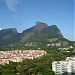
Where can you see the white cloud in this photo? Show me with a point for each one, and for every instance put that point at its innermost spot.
(11, 4)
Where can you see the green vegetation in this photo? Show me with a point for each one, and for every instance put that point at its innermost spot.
(40, 66)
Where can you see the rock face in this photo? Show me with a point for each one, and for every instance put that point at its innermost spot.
(7, 33)
(39, 26)
(8, 36)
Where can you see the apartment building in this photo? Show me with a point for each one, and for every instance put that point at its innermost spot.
(67, 66)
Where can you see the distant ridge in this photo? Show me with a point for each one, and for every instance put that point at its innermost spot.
(39, 35)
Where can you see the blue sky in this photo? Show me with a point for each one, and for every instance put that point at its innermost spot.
(23, 14)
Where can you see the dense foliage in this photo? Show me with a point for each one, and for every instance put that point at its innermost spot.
(40, 66)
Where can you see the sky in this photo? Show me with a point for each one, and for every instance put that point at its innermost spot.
(23, 14)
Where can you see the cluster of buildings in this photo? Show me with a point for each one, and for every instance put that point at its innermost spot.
(54, 44)
(19, 55)
(67, 49)
(66, 67)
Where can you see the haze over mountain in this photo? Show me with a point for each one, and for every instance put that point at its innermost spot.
(40, 33)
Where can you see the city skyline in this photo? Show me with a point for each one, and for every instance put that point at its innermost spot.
(23, 14)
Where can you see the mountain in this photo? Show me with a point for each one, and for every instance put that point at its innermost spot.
(41, 32)
(8, 36)
(43, 29)
(39, 35)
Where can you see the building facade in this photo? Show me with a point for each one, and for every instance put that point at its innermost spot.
(62, 67)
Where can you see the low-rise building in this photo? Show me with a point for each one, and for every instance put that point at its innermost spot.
(19, 55)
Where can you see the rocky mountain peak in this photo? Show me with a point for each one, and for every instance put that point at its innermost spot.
(53, 26)
(39, 26)
(14, 30)
(8, 33)
(9, 30)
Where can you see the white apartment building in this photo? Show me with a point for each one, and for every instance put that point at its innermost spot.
(67, 66)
